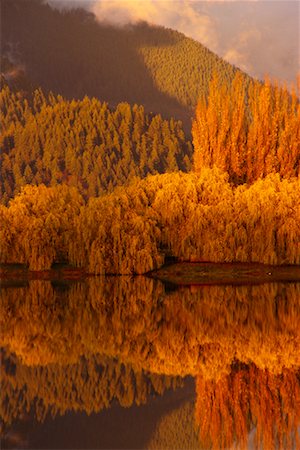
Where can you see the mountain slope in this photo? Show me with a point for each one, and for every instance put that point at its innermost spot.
(70, 53)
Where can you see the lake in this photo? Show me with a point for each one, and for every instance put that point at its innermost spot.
(121, 362)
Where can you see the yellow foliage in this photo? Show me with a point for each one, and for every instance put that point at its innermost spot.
(39, 224)
(191, 216)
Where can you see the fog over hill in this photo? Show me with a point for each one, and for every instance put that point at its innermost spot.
(69, 52)
(260, 36)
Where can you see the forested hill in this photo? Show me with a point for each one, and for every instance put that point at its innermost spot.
(70, 53)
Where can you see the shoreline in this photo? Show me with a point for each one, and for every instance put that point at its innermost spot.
(197, 273)
(177, 273)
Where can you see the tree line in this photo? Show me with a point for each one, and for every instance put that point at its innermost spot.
(240, 203)
(194, 217)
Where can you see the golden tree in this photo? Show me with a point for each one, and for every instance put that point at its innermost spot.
(249, 129)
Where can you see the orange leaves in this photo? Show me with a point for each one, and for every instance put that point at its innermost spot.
(218, 129)
(193, 216)
(118, 234)
(249, 130)
(249, 399)
(204, 218)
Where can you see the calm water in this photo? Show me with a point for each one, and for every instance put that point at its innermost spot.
(126, 363)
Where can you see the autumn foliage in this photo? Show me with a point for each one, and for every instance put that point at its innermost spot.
(81, 150)
(83, 143)
(38, 226)
(195, 216)
(109, 190)
(248, 129)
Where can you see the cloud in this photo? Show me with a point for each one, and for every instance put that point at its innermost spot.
(180, 15)
(262, 38)
(259, 36)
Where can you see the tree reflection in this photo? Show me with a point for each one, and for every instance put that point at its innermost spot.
(184, 332)
(82, 345)
(89, 385)
(249, 398)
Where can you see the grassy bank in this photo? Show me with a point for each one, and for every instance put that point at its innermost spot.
(181, 273)
(186, 273)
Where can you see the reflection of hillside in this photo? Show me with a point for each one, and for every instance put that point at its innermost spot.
(176, 431)
(177, 333)
(89, 385)
(248, 398)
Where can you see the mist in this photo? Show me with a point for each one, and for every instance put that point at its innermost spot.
(260, 37)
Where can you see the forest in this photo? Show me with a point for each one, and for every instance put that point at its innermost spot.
(83, 143)
(122, 148)
(115, 189)
(196, 217)
(97, 149)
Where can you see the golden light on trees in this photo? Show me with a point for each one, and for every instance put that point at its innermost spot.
(198, 217)
(250, 129)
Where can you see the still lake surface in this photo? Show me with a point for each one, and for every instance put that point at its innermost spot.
(120, 362)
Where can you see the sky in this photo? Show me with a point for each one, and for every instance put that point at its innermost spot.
(259, 36)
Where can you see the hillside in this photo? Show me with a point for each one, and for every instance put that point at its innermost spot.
(71, 54)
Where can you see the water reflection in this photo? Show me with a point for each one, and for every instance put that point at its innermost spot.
(246, 399)
(176, 430)
(183, 332)
(89, 385)
(83, 345)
